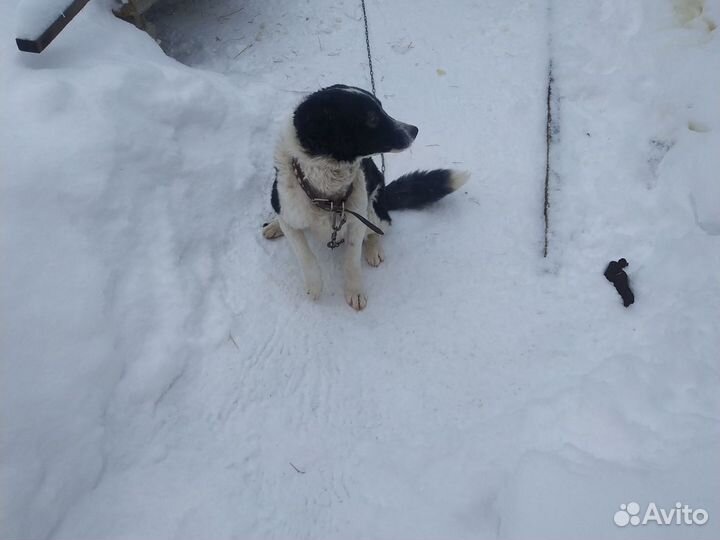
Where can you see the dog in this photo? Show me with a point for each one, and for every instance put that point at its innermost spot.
(327, 183)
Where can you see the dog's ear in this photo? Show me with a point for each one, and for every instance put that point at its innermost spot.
(312, 127)
(372, 119)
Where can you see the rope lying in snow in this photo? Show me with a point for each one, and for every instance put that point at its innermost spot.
(372, 72)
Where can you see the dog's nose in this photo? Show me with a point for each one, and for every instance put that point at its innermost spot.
(413, 130)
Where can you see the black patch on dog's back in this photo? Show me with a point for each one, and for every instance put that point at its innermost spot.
(374, 180)
(373, 176)
(274, 198)
(380, 209)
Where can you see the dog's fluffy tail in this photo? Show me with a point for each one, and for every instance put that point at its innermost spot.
(420, 188)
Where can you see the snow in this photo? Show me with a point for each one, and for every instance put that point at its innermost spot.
(32, 17)
(162, 374)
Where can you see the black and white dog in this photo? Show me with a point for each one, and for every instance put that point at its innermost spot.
(326, 182)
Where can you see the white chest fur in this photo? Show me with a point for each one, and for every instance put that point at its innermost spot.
(325, 176)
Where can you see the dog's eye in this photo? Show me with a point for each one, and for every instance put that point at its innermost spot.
(373, 119)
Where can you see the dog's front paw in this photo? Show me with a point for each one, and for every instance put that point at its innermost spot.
(313, 288)
(272, 230)
(373, 252)
(356, 299)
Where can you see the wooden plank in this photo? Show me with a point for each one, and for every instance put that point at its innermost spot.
(52, 31)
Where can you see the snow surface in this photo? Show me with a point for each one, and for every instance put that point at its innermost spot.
(162, 374)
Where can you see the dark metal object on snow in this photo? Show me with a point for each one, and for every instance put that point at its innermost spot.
(617, 276)
(131, 10)
(38, 44)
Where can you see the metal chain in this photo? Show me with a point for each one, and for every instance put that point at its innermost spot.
(370, 63)
(337, 224)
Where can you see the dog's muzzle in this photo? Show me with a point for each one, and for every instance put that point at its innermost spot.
(408, 133)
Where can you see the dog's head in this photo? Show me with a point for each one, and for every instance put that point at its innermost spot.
(345, 123)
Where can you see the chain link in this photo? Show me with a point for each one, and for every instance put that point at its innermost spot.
(338, 220)
(370, 63)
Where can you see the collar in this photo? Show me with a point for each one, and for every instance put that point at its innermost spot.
(334, 205)
(313, 194)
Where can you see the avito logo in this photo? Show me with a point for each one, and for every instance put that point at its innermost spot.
(680, 514)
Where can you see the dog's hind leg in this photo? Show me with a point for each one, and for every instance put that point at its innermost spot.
(306, 258)
(372, 247)
(272, 230)
(372, 250)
